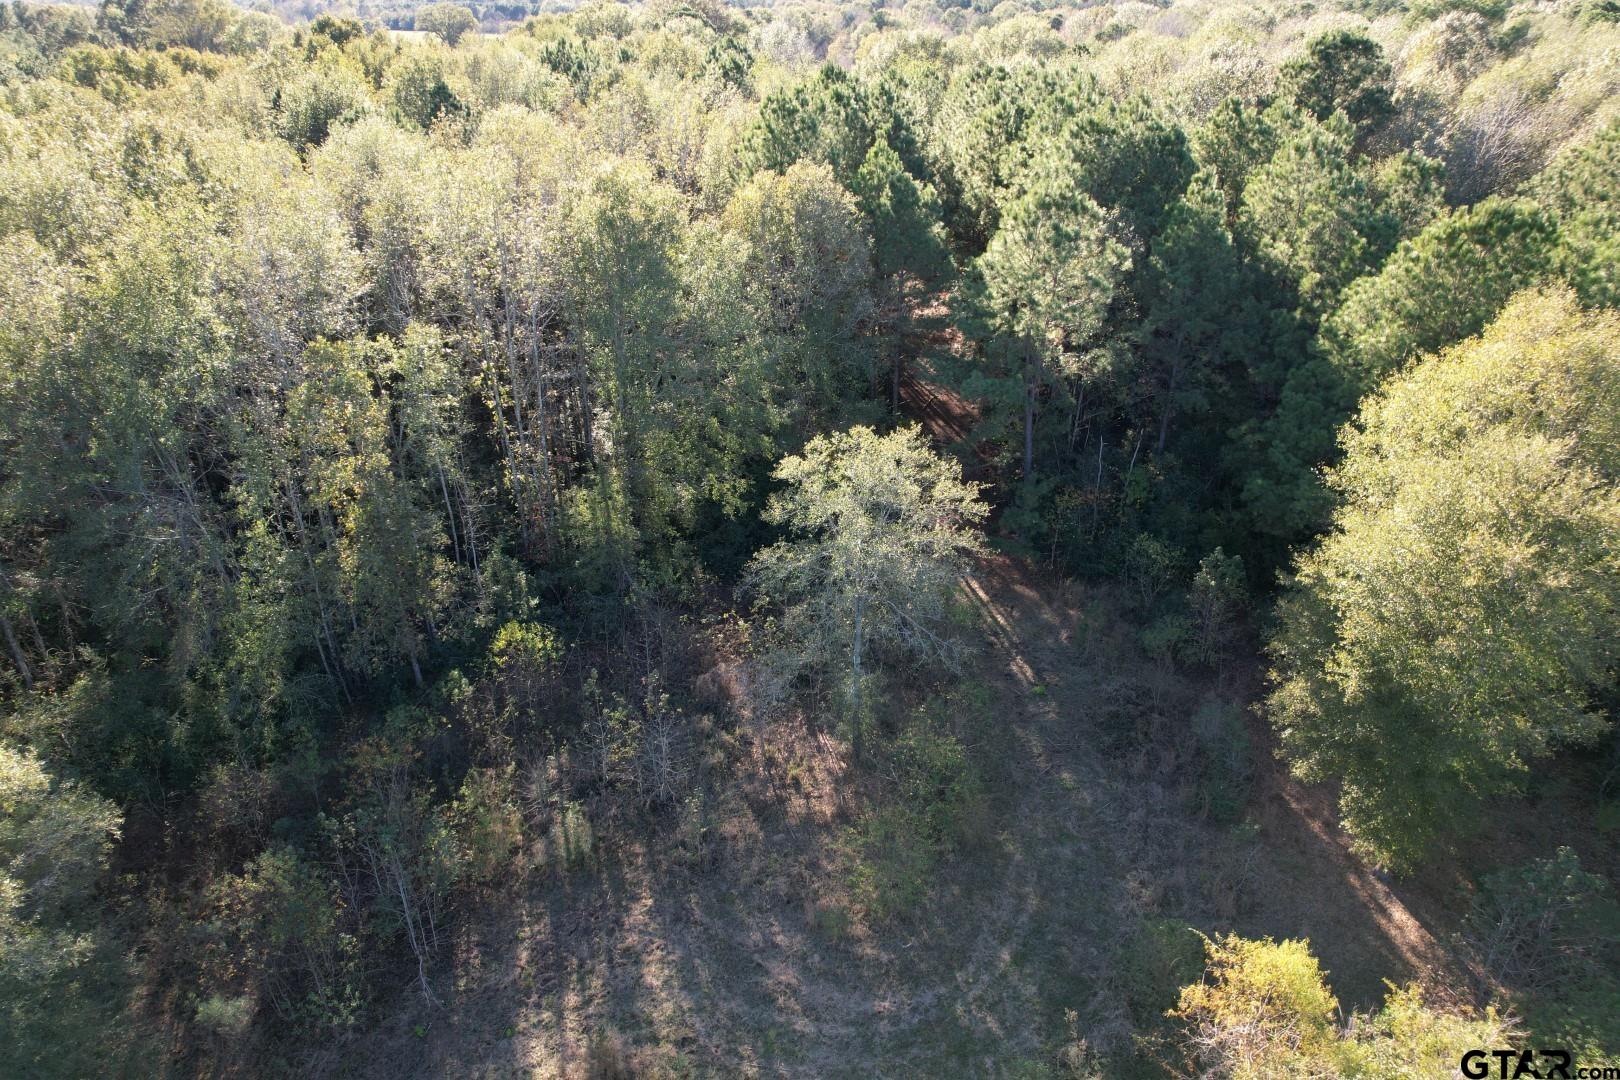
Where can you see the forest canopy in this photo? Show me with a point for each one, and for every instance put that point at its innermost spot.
(459, 460)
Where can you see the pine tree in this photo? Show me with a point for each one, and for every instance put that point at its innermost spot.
(1050, 274)
(909, 256)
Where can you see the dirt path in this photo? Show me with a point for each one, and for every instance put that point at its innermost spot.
(746, 960)
(737, 964)
(1307, 882)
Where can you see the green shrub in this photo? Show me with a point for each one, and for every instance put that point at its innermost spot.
(894, 860)
(487, 825)
(1217, 596)
(62, 978)
(1263, 1009)
(937, 805)
(571, 840)
(1550, 932)
(830, 921)
(228, 1017)
(1225, 774)
(317, 100)
(938, 784)
(1151, 568)
(1154, 964)
(281, 923)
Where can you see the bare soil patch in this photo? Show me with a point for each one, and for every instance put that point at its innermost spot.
(752, 960)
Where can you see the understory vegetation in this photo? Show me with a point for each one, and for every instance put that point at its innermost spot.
(684, 539)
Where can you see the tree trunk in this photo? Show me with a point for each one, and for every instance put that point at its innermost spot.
(858, 720)
(1169, 403)
(1029, 414)
(17, 653)
(449, 514)
(895, 370)
(1096, 499)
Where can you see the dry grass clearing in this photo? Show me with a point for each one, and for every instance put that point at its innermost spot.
(748, 953)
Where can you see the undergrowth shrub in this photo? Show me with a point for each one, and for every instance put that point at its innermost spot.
(570, 841)
(1225, 774)
(1549, 932)
(893, 861)
(487, 825)
(280, 934)
(1154, 964)
(934, 779)
(936, 804)
(1263, 1009)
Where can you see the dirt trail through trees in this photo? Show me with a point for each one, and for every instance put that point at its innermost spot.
(1307, 881)
(746, 957)
(742, 959)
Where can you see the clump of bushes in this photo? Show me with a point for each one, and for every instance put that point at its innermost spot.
(1549, 933)
(936, 804)
(1224, 773)
(1264, 1009)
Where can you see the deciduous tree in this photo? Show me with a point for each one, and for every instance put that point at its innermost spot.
(881, 527)
(1447, 632)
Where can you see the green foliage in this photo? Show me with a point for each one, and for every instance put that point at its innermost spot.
(487, 827)
(360, 390)
(1429, 10)
(1547, 932)
(933, 806)
(904, 218)
(226, 1017)
(893, 862)
(1150, 568)
(1234, 141)
(909, 254)
(1308, 214)
(805, 275)
(281, 919)
(1194, 282)
(1342, 72)
(451, 22)
(59, 981)
(826, 119)
(1126, 155)
(1583, 189)
(729, 61)
(1161, 958)
(196, 24)
(987, 112)
(419, 91)
(1261, 1005)
(119, 73)
(1438, 288)
(933, 777)
(337, 29)
(1408, 189)
(1600, 11)
(1049, 276)
(1051, 267)
(1409, 1038)
(882, 529)
(525, 648)
(1265, 1010)
(1445, 634)
(1218, 595)
(316, 101)
(54, 840)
